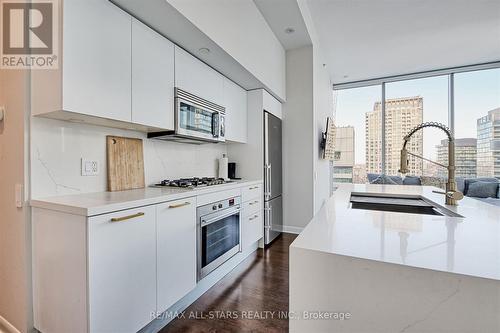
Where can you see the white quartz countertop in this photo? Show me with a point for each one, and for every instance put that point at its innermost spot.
(91, 204)
(468, 245)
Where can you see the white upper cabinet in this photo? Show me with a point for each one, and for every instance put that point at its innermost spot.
(96, 71)
(235, 101)
(176, 251)
(197, 78)
(152, 78)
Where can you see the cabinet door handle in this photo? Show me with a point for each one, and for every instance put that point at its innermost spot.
(179, 205)
(253, 188)
(253, 203)
(124, 218)
(253, 217)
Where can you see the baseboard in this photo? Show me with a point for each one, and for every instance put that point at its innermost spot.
(6, 327)
(292, 230)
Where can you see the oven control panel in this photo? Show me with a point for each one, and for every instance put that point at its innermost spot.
(219, 205)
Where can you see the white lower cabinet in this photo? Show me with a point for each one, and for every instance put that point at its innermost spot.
(114, 272)
(252, 221)
(176, 251)
(252, 229)
(122, 270)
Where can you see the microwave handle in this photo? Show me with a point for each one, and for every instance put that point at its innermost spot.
(215, 124)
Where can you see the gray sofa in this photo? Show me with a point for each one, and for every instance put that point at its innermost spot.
(483, 189)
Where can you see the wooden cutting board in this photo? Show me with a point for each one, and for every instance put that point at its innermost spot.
(125, 163)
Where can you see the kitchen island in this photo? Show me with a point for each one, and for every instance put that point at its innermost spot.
(358, 270)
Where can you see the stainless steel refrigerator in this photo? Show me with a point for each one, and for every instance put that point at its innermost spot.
(273, 202)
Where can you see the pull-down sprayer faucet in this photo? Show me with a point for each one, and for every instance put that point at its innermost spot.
(452, 194)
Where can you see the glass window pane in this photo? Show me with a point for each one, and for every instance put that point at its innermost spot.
(352, 111)
(408, 104)
(477, 123)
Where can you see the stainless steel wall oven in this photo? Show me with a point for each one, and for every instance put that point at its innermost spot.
(219, 234)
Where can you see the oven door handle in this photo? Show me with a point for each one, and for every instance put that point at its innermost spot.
(204, 223)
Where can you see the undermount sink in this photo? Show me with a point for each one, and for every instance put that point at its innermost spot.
(407, 204)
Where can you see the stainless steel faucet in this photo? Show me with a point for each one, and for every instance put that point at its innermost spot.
(452, 195)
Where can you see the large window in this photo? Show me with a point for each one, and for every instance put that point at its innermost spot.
(408, 104)
(474, 117)
(477, 123)
(354, 109)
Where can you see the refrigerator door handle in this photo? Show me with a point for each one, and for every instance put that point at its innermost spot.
(270, 181)
(269, 218)
(267, 180)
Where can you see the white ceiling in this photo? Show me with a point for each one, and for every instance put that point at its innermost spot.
(364, 39)
(283, 14)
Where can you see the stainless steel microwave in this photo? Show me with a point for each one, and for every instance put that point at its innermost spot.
(196, 120)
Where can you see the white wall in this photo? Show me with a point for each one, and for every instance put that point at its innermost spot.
(58, 146)
(239, 28)
(298, 136)
(323, 108)
(14, 225)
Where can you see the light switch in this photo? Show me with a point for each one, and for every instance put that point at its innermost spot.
(90, 167)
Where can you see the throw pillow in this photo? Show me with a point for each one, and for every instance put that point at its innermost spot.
(481, 189)
(383, 179)
(412, 180)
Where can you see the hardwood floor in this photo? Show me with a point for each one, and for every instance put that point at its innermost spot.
(251, 298)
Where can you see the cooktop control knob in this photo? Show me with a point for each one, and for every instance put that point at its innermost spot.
(220, 205)
(214, 207)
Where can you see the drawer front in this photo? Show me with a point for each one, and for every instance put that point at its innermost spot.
(251, 207)
(252, 229)
(251, 192)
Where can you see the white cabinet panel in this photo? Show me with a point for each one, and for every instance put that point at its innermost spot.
(251, 192)
(197, 78)
(122, 270)
(152, 78)
(96, 59)
(251, 228)
(176, 254)
(251, 206)
(235, 101)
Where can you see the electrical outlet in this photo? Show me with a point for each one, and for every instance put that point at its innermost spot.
(89, 167)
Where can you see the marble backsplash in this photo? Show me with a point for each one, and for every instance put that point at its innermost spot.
(58, 146)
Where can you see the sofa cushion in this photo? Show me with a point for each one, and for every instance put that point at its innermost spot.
(372, 176)
(383, 179)
(397, 179)
(469, 181)
(480, 189)
(412, 180)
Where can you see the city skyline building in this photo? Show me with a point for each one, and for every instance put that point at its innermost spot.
(465, 157)
(488, 144)
(401, 115)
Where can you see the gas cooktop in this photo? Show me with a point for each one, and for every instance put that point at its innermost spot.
(192, 182)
